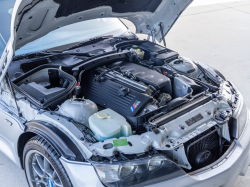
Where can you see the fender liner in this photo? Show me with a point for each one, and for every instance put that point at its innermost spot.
(59, 140)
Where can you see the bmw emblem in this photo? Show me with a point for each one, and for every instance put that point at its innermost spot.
(50, 183)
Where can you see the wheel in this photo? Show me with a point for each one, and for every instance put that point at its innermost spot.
(42, 165)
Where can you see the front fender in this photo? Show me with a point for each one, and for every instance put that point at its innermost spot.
(59, 140)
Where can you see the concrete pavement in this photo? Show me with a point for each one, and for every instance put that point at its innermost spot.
(217, 34)
(213, 31)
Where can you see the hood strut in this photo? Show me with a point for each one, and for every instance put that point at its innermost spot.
(13, 94)
(162, 33)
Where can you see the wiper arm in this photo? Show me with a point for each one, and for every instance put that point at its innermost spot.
(66, 53)
(48, 53)
(28, 55)
(90, 41)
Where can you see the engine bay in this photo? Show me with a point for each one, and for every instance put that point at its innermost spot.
(132, 99)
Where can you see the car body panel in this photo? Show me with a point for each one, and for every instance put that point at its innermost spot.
(223, 174)
(11, 129)
(81, 174)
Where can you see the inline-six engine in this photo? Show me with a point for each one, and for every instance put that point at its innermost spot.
(137, 101)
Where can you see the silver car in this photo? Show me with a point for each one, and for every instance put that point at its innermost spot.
(84, 102)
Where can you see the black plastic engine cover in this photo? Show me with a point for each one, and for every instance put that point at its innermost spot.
(146, 75)
(110, 94)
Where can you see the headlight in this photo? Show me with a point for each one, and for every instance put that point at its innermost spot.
(127, 170)
(155, 163)
(240, 116)
(139, 172)
(242, 119)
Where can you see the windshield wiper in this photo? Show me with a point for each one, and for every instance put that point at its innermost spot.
(67, 53)
(48, 53)
(90, 41)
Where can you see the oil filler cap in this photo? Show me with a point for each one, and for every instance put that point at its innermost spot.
(123, 91)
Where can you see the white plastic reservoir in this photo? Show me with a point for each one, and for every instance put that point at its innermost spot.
(108, 124)
(78, 109)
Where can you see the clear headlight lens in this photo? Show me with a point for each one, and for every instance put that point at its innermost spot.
(240, 116)
(155, 163)
(139, 172)
(127, 170)
(108, 174)
(242, 119)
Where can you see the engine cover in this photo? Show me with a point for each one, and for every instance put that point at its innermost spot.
(146, 75)
(113, 95)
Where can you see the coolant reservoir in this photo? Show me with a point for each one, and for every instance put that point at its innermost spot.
(108, 124)
(78, 109)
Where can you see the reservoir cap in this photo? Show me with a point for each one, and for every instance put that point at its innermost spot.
(102, 115)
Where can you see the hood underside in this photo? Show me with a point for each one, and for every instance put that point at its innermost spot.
(34, 19)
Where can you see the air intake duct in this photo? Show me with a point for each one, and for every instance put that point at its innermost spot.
(203, 149)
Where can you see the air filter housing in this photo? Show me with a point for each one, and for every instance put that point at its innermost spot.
(203, 149)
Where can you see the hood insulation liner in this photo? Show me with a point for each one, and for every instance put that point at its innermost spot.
(68, 7)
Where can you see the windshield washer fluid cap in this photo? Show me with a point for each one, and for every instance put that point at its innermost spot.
(113, 126)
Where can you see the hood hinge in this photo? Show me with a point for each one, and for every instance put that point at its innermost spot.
(152, 32)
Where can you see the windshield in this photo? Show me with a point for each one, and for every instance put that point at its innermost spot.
(76, 32)
(6, 7)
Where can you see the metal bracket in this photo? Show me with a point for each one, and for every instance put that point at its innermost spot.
(162, 33)
(41, 111)
(151, 33)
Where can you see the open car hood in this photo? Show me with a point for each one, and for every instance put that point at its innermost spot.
(36, 18)
(32, 19)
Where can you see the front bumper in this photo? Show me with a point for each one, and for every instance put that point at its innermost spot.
(222, 174)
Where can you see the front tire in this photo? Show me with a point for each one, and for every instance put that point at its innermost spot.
(42, 165)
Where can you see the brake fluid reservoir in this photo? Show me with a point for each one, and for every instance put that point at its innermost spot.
(108, 124)
(137, 51)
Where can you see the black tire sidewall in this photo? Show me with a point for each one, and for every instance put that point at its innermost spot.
(49, 152)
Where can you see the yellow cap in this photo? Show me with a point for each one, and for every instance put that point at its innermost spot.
(102, 115)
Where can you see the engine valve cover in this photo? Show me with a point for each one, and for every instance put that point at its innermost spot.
(146, 75)
(114, 95)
